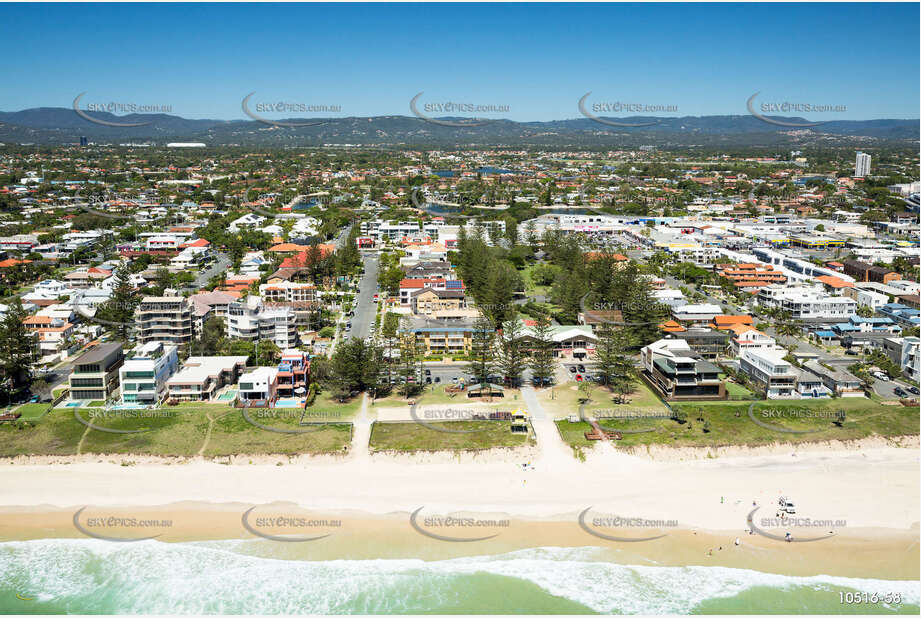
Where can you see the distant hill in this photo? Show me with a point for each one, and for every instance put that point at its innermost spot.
(59, 125)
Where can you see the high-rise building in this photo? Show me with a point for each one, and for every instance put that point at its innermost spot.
(167, 319)
(83, 141)
(862, 168)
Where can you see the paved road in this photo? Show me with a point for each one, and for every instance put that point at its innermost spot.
(365, 307)
(221, 263)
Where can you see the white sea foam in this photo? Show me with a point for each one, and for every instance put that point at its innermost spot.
(216, 577)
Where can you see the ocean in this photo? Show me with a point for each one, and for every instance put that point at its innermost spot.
(81, 576)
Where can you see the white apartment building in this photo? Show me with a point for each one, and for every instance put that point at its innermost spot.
(288, 292)
(143, 377)
(805, 303)
(768, 368)
(866, 298)
(250, 319)
(862, 166)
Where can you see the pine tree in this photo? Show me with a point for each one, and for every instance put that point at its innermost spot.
(512, 354)
(17, 350)
(482, 354)
(541, 363)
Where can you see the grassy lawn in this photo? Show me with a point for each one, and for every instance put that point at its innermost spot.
(32, 411)
(57, 433)
(731, 425)
(233, 435)
(176, 431)
(565, 400)
(324, 407)
(737, 392)
(407, 437)
(531, 288)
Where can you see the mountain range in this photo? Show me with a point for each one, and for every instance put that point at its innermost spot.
(60, 125)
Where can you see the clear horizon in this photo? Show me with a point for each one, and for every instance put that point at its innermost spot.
(534, 61)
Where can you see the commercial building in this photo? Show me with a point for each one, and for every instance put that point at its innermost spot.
(143, 377)
(95, 372)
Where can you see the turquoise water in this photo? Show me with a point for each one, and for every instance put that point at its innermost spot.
(233, 577)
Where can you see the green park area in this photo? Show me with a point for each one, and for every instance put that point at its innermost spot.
(184, 430)
(729, 423)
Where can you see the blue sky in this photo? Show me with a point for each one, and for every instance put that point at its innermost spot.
(538, 59)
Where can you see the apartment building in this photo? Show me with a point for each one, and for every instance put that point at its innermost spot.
(250, 319)
(443, 336)
(143, 377)
(807, 303)
(202, 376)
(288, 292)
(164, 318)
(750, 275)
(679, 373)
(410, 286)
(903, 351)
(95, 373)
(861, 271)
(770, 371)
(427, 301)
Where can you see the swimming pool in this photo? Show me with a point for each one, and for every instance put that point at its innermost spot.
(73, 404)
(289, 402)
(228, 396)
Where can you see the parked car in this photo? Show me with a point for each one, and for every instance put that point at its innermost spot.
(582, 368)
(881, 376)
(900, 392)
(572, 370)
(578, 377)
(913, 390)
(437, 379)
(34, 399)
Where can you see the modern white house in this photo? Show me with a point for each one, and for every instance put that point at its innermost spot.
(144, 375)
(769, 369)
(260, 384)
(202, 376)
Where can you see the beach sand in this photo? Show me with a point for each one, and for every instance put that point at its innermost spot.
(871, 495)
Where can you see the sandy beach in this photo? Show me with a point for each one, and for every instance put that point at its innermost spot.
(870, 493)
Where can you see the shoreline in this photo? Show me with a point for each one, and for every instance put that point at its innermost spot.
(870, 553)
(869, 492)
